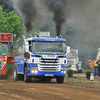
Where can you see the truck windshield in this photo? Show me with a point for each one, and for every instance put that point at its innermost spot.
(48, 48)
(71, 55)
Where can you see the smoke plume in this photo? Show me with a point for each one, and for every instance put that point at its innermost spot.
(85, 20)
(58, 9)
(27, 10)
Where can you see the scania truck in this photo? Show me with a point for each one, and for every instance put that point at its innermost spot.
(43, 58)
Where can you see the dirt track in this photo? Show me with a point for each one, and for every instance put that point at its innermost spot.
(39, 90)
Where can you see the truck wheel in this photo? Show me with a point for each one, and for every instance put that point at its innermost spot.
(81, 71)
(15, 75)
(26, 77)
(60, 79)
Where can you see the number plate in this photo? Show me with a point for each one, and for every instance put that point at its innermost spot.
(50, 55)
(48, 74)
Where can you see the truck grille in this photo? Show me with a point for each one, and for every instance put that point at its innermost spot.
(70, 62)
(69, 66)
(49, 65)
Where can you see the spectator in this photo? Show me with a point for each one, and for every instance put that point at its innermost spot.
(91, 64)
(96, 72)
(98, 62)
(3, 50)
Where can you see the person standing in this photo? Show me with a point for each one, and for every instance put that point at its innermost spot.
(3, 50)
(91, 64)
(98, 62)
(96, 71)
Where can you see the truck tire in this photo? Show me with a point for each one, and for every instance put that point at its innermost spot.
(81, 71)
(60, 79)
(26, 77)
(15, 75)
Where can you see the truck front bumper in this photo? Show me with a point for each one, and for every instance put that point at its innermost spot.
(53, 74)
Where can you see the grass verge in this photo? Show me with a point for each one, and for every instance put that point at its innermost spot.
(84, 80)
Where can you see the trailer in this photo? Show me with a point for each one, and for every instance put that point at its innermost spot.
(43, 58)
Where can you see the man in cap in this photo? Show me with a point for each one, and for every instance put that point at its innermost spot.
(3, 50)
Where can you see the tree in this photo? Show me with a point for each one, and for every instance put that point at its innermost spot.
(11, 23)
(35, 32)
(6, 5)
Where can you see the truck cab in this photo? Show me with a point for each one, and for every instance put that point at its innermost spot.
(43, 58)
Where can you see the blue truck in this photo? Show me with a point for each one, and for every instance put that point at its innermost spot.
(43, 58)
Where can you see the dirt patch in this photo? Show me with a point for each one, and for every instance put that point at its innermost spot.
(3, 77)
(36, 90)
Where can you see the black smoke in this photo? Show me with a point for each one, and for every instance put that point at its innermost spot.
(27, 10)
(58, 9)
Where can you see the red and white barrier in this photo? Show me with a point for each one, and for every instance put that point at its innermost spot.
(3, 68)
(3, 61)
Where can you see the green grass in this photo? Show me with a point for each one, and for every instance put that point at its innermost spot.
(72, 79)
(83, 80)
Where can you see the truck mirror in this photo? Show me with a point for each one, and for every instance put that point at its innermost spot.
(68, 49)
(26, 48)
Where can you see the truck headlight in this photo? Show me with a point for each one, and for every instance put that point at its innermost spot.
(34, 70)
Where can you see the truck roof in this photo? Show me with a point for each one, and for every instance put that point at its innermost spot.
(98, 49)
(45, 39)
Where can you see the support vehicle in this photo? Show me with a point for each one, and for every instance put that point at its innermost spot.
(98, 53)
(44, 58)
(73, 61)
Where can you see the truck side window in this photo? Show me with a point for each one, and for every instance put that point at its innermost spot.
(30, 48)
